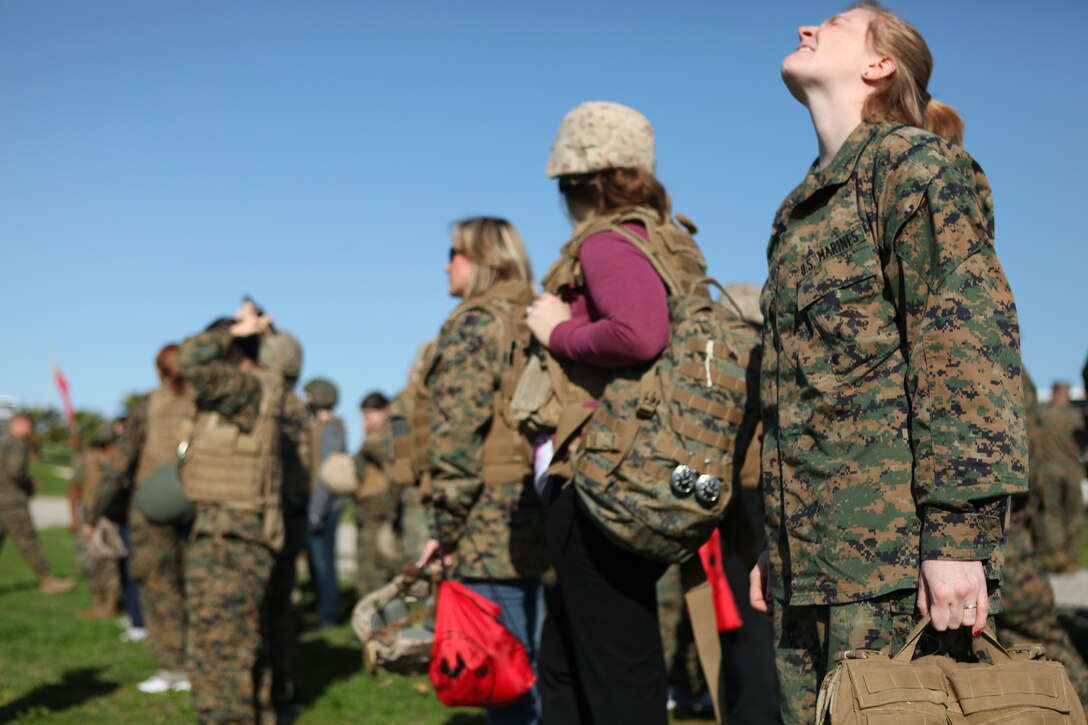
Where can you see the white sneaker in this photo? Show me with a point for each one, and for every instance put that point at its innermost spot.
(157, 683)
(134, 634)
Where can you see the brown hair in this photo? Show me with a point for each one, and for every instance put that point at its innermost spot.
(614, 190)
(903, 98)
(496, 251)
(374, 401)
(166, 363)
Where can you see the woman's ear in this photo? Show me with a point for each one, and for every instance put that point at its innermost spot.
(880, 69)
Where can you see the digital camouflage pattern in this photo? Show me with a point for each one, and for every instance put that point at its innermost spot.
(660, 454)
(808, 639)
(157, 564)
(276, 685)
(1060, 532)
(892, 404)
(685, 674)
(15, 488)
(377, 560)
(1028, 614)
(15, 483)
(228, 563)
(497, 528)
(112, 498)
(600, 135)
(103, 576)
(225, 615)
(157, 558)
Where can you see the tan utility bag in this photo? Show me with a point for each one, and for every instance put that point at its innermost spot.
(1017, 685)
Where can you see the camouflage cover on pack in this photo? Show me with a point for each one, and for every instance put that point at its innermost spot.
(395, 624)
(657, 463)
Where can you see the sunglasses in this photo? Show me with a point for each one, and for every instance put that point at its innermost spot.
(454, 252)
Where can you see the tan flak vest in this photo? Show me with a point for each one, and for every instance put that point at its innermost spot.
(575, 384)
(169, 422)
(236, 469)
(403, 471)
(92, 478)
(377, 451)
(507, 453)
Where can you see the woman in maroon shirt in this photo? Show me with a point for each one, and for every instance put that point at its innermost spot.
(604, 309)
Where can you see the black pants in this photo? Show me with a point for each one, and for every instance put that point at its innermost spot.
(749, 678)
(601, 659)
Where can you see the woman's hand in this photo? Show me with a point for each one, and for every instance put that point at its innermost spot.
(430, 550)
(544, 315)
(954, 594)
(759, 594)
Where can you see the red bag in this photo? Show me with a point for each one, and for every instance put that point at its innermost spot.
(475, 660)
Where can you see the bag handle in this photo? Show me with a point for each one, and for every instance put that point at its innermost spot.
(986, 643)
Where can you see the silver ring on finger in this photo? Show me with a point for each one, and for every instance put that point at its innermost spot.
(970, 606)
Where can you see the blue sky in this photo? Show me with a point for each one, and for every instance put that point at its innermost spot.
(159, 160)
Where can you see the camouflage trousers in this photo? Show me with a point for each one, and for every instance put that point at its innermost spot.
(15, 522)
(1027, 601)
(225, 582)
(415, 528)
(376, 554)
(1060, 526)
(275, 672)
(103, 576)
(681, 658)
(809, 638)
(157, 564)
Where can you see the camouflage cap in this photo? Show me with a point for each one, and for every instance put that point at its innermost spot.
(281, 351)
(600, 135)
(321, 393)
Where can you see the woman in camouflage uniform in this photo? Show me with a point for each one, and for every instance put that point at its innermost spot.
(486, 511)
(156, 425)
(891, 393)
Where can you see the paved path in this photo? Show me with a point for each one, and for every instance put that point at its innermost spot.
(1070, 590)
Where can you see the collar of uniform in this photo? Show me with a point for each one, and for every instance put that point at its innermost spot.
(842, 166)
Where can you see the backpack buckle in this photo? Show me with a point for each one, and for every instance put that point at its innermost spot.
(648, 404)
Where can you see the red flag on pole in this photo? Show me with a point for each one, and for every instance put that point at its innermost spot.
(62, 386)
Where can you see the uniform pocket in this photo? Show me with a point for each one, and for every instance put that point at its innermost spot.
(844, 323)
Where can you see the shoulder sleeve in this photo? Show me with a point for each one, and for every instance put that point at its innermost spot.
(962, 341)
(219, 385)
(461, 384)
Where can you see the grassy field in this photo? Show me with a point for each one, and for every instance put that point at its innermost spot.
(57, 669)
(52, 478)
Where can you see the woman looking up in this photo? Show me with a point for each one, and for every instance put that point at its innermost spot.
(891, 394)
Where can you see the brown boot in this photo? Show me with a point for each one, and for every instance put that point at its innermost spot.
(50, 584)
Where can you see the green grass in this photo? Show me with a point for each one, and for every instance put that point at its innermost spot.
(53, 479)
(58, 669)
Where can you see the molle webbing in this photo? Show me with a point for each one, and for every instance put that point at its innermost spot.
(237, 469)
(92, 478)
(169, 421)
(507, 453)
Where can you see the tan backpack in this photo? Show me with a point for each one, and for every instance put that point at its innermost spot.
(655, 463)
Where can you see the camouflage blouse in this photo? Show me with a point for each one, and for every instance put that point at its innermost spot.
(891, 381)
(498, 529)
